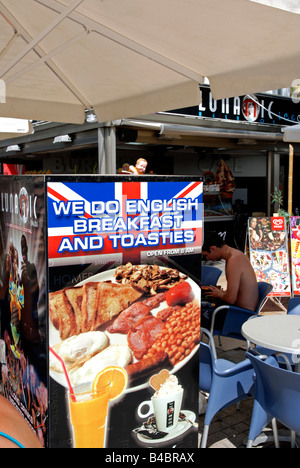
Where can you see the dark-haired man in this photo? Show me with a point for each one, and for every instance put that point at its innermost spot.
(242, 288)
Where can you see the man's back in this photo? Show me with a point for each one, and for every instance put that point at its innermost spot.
(241, 279)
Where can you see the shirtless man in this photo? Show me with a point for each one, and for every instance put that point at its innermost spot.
(242, 289)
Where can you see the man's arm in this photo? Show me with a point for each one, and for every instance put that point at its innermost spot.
(233, 276)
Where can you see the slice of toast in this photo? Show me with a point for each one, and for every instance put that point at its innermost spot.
(61, 314)
(82, 309)
(113, 299)
(75, 297)
(89, 306)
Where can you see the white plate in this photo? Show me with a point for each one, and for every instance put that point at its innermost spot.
(181, 427)
(118, 338)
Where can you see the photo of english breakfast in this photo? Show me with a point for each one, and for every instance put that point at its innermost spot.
(140, 317)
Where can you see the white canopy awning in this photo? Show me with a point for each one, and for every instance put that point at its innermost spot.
(131, 58)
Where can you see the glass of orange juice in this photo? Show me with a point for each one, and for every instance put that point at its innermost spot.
(88, 416)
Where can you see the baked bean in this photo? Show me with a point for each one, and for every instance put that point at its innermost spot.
(172, 353)
(180, 334)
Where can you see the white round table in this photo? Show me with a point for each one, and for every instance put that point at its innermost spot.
(280, 333)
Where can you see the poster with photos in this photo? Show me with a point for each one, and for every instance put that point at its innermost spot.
(295, 254)
(116, 248)
(95, 274)
(268, 248)
(23, 302)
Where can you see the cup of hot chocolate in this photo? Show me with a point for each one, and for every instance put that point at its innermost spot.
(165, 404)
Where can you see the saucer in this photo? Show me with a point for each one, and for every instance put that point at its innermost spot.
(181, 427)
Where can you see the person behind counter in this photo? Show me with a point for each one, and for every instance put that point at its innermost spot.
(242, 288)
(140, 167)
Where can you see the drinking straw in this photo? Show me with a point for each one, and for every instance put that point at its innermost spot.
(65, 372)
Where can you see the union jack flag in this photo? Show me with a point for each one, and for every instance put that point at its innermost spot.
(75, 204)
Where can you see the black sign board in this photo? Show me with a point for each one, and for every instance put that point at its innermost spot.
(256, 108)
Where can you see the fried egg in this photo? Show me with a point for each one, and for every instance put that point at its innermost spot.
(78, 349)
(114, 355)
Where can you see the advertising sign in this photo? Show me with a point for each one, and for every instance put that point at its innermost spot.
(124, 310)
(269, 253)
(295, 254)
(265, 109)
(23, 299)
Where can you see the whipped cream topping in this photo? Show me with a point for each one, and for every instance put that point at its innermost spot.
(169, 387)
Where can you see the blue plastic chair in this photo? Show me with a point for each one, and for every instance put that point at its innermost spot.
(277, 395)
(210, 275)
(227, 383)
(236, 316)
(294, 306)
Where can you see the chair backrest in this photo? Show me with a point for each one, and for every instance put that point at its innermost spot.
(294, 306)
(210, 275)
(205, 367)
(277, 391)
(236, 316)
(207, 357)
(263, 290)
